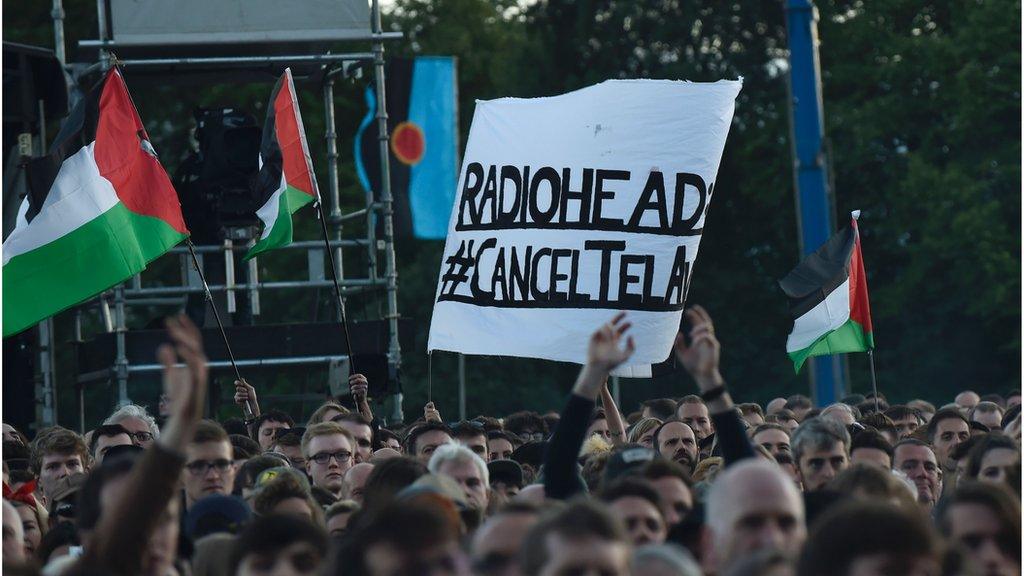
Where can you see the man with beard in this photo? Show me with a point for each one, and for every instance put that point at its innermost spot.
(677, 442)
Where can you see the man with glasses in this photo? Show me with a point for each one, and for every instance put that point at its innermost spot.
(140, 425)
(329, 450)
(209, 463)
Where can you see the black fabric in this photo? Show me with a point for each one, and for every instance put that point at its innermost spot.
(398, 87)
(561, 479)
(268, 180)
(818, 274)
(77, 130)
(732, 437)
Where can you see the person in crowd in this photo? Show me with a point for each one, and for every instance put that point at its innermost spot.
(136, 420)
(287, 495)
(785, 418)
(467, 469)
(599, 427)
(906, 419)
(800, 405)
(506, 480)
(473, 436)
(859, 538)
(495, 546)
(34, 520)
(326, 412)
(209, 464)
(871, 447)
(13, 535)
(883, 424)
(984, 520)
(659, 408)
(664, 559)
(57, 543)
(581, 538)
(105, 437)
(338, 516)
(774, 406)
(841, 413)
(947, 430)
(528, 426)
(917, 460)
(328, 449)
(773, 437)
(751, 506)
(676, 441)
(417, 537)
(423, 439)
(244, 448)
(1012, 399)
(989, 458)
(359, 427)
(821, 450)
(924, 408)
(57, 453)
(674, 488)
(499, 445)
(967, 399)
(694, 414)
(355, 482)
(989, 414)
(642, 432)
(267, 425)
(279, 544)
(636, 503)
(752, 414)
(389, 440)
(288, 442)
(870, 482)
(389, 478)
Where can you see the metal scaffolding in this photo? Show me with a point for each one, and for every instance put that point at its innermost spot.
(377, 208)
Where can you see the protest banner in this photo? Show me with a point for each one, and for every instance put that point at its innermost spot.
(573, 207)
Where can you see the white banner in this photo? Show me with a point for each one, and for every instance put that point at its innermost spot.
(573, 207)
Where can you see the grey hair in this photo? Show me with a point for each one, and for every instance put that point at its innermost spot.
(671, 556)
(457, 453)
(134, 411)
(818, 434)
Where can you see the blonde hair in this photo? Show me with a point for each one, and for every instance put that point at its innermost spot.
(643, 426)
(318, 415)
(324, 429)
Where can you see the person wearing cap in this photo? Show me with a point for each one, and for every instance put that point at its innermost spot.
(216, 514)
(506, 478)
(106, 437)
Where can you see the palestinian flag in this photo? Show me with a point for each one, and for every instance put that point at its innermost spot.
(285, 181)
(100, 207)
(828, 296)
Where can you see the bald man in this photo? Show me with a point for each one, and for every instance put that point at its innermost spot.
(774, 406)
(355, 480)
(967, 399)
(752, 506)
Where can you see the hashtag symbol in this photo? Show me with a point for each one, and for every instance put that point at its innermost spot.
(458, 266)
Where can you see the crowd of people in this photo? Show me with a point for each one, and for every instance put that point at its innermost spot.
(682, 486)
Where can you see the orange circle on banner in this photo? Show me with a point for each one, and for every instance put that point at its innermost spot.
(408, 143)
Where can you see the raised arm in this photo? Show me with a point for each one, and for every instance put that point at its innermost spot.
(124, 530)
(616, 426)
(603, 354)
(700, 358)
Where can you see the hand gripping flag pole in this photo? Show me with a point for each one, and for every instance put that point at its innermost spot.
(209, 298)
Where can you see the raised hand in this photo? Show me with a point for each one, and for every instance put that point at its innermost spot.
(700, 357)
(605, 352)
(185, 388)
(357, 387)
(245, 394)
(431, 414)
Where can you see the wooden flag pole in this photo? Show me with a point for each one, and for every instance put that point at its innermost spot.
(337, 287)
(216, 315)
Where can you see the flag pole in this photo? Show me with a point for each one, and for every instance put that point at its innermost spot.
(874, 383)
(337, 287)
(209, 298)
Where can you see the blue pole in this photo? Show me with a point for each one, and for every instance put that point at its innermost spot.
(810, 167)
